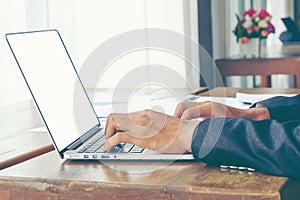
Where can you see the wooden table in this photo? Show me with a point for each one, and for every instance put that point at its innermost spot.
(274, 60)
(48, 176)
(16, 143)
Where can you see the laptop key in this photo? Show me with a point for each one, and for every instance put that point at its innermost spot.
(95, 146)
(100, 150)
(126, 148)
(116, 149)
(137, 149)
(90, 151)
(83, 149)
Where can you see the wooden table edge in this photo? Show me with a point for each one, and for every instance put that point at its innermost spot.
(26, 156)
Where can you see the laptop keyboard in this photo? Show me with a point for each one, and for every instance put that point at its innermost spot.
(95, 143)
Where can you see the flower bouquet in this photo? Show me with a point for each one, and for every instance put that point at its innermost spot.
(253, 25)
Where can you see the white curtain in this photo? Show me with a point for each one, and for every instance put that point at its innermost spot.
(13, 18)
(86, 24)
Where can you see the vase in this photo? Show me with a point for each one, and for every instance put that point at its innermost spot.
(251, 49)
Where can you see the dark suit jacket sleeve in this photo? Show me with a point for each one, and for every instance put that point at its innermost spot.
(283, 109)
(268, 146)
(271, 146)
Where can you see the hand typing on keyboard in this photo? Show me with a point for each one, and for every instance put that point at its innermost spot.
(191, 110)
(151, 130)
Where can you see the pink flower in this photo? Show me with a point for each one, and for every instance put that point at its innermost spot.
(271, 28)
(251, 12)
(263, 14)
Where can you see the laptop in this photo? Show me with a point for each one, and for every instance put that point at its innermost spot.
(51, 77)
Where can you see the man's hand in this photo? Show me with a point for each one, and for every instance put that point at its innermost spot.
(208, 109)
(151, 130)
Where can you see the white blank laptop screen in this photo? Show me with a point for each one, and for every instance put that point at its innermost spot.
(50, 75)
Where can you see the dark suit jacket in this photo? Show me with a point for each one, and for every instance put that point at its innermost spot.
(270, 146)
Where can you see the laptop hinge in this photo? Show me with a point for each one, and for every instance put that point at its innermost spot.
(83, 138)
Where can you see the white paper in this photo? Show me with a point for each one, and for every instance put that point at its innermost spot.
(229, 101)
(254, 98)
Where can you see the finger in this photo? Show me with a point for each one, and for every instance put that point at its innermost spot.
(191, 113)
(181, 107)
(136, 122)
(116, 122)
(178, 110)
(111, 125)
(108, 145)
(202, 110)
(124, 137)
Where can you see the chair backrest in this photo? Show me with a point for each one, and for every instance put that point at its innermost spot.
(261, 66)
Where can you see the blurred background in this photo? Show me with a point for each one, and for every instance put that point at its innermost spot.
(84, 25)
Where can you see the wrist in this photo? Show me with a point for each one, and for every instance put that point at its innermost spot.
(188, 129)
(260, 113)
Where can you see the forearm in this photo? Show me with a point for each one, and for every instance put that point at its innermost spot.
(267, 145)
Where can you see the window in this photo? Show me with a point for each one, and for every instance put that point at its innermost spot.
(84, 25)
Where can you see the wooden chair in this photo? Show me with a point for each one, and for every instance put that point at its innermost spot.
(261, 66)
